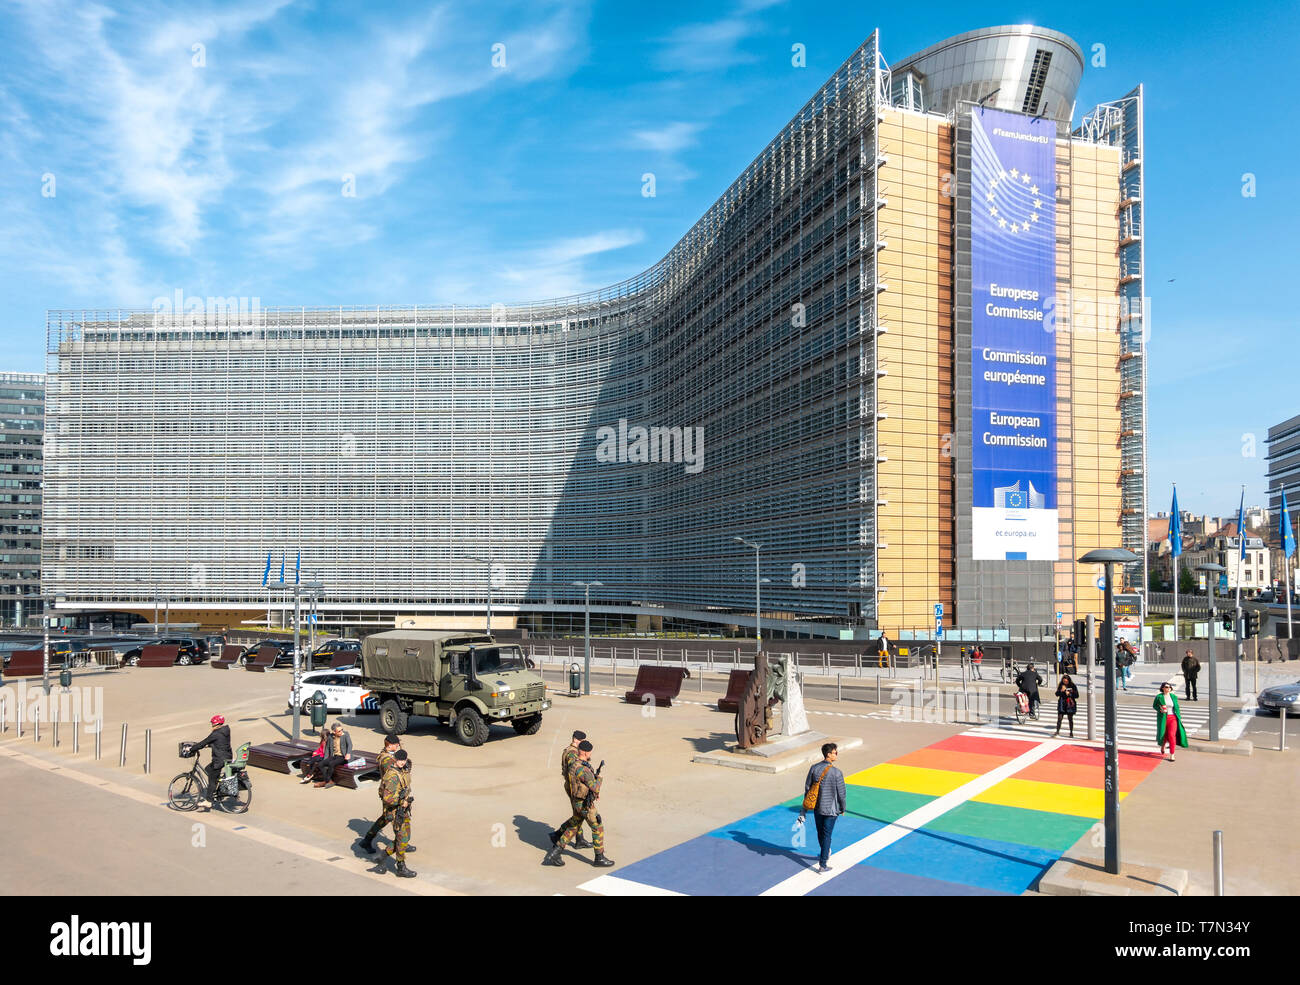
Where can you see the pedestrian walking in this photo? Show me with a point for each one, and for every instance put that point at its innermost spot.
(584, 791)
(882, 648)
(1169, 720)
(1067, 702)
(386, 761)
(1191, 668)
(1125, 657)
(1029, 681)
(976, 659)
(567, 762)
(825, 796)
(395, 791)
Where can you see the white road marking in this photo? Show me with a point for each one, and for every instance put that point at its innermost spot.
(614, 886)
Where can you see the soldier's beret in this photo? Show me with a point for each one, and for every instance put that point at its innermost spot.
(579, 735)
(585, 746)
(400, 755)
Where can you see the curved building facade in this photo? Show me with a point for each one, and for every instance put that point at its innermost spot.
(786, 374)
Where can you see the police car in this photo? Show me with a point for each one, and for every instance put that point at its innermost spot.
(342, 689)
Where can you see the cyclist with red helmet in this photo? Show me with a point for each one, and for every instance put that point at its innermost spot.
(219, 740)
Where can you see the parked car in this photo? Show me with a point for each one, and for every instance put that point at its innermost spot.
(1274, 699)
(188, 650)
(283, 658)
(342, 689)
(332, 648)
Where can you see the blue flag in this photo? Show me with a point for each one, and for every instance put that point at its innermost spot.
(282, 567)
(1241, 527)
(1175, 528)
(297, 569)
(1288, 535)
(267, 573)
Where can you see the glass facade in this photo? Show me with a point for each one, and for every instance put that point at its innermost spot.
(414, 456)
(22, 411)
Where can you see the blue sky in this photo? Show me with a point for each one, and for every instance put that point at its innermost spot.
(479, 183)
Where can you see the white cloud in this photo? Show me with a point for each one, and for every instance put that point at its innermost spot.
(668, 139)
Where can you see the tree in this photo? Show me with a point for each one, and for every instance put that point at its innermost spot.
(1186, 581)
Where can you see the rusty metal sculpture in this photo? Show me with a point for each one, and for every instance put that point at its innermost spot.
(766, 686)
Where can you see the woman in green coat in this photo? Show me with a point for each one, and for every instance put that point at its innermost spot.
(1169, 720)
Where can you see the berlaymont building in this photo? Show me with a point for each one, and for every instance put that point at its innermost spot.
(903, 352)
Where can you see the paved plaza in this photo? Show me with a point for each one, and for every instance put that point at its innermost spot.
(935, 807)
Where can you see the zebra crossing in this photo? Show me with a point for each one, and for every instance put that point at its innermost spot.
(1134, 724)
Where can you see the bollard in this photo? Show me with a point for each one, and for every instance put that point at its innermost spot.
(613, 669)
(54, 723)
(76, 731)
(1218, 863)
(700, 673)
(839, 688)
(148, 745)
(1281, 739)
(36, 723)
(99, 731)
(18, 719)
(877, 687)
(4, 717)
(121, 759)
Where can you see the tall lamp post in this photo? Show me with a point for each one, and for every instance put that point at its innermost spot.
(586, 587)
(758, 606)
(46, 602)
(1212, 572)
(1107, 557)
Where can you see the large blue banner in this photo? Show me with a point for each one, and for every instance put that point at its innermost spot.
(1013, 349)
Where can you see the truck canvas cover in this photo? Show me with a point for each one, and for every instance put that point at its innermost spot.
(410, 655)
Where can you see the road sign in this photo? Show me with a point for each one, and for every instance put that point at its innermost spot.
(1101, 583)
(311, 617)
(938, 620)
(938, 610)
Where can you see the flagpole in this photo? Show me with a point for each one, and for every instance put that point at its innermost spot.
(1287, 538)
(1241, 553)
(1175, 530)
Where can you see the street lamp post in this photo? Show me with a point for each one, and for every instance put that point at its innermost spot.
(488, 563)
(1212, 572)
(586, 587)
(758, 598)
(1108, 556)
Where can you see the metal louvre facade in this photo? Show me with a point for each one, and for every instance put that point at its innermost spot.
(401, 450)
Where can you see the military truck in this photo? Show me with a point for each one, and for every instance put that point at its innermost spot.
(467, 680)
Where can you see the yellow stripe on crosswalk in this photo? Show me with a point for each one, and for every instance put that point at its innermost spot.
(1057, 798)
(910, 779)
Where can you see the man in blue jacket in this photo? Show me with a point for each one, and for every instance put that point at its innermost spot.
(832, 800)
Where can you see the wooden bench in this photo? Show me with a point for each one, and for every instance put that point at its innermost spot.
(662, 683)
(28, 663)
(736, 683)
(288, 756)
(158, 655)
(229, 657)
(264, 661)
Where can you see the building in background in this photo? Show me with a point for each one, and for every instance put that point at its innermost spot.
(22, 423)
(904, 351)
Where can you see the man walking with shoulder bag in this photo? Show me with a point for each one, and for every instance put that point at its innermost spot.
(825, 796)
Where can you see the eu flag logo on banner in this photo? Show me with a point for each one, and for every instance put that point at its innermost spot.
(1288, 534)
(1175, 528)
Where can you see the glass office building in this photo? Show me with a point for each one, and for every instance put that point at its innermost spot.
(22, 411)
(795, 371)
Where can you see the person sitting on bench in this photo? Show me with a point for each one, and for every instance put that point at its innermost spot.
(338, 748)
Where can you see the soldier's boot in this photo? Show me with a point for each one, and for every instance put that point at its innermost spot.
(409, 849)
(555, 837)
(368, 844)
(403, 872)
(381, 866)
(553, 856)
(581, 842)
(602, 862)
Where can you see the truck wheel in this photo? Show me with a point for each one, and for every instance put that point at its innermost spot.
(528, 725)
(392, 718)
(471, 730)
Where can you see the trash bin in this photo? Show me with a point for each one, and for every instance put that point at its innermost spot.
(65, 677)
(575, 678)
(316, 703)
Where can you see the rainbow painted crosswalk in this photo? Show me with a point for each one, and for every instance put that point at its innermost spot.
(970, 815)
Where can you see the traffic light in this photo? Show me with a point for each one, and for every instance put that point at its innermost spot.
(1227, 623)
(1252, 623)
(1081, 633)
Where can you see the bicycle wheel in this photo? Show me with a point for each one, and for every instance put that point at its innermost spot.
(183, 793)
(238, 803)
(1015, 708)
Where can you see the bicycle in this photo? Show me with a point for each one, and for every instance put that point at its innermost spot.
(234, 789)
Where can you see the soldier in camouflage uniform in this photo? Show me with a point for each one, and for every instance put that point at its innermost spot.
(391, 745)
(395, 789)
(567, 762)
(584, 790)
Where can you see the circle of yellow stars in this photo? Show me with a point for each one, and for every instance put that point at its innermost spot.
(1014, 175)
